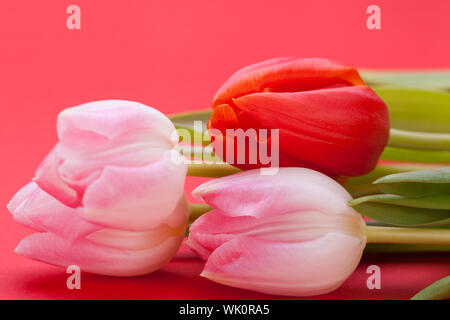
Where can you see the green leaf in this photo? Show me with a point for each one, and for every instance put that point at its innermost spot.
(416, 109)
(434, 175)
(417, 183)
(410, 155)
(438, 290)
(414, 198)
(400, 215)
(419, 79)
(441, 202)
(363, 185)
(185, 124)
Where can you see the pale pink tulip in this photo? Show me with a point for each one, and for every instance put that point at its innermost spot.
(287, 234)
(110, 195)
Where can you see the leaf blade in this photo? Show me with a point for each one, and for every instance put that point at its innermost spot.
(402, 216)
(438, 290)
(439, 202)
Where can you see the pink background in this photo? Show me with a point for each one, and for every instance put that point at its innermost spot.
(173, 55)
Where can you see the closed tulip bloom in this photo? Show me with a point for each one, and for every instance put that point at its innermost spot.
(328, 119)
(110, 195)
(287, 234)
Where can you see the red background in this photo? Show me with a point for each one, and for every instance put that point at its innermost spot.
(173, 55)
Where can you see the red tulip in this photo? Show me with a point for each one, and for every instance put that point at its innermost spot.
(328, 119)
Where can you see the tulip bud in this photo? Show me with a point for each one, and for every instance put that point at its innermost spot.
(109, 197)
(292, 233)
(328, 119)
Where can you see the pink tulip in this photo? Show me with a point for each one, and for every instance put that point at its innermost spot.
(288, 234)
(110, 195)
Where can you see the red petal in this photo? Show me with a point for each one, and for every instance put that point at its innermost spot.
(339, 131)
(287, 75)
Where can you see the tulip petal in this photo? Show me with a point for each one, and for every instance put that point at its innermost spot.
(287, 75)
(49, 248)
(110, 132)
(17, 203)
(290, 190)
(296, 269)
(49, 179)
(214, 228)
(49, 214)
(136, 198)
(100, 121)
(79, 171)
(174, 225)
(305, 120)
(308, 113)
(208, 232)
(41, 212)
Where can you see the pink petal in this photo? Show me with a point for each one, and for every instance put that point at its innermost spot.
(17, 203)
(50, 215)
(214, 228)
(209, 232)
(108, 119)
(97, 134)
(40, 211)
(174, 225)
(136, 198)
(292, 189)
(49, 179)
(294, 269)
(93, 258)
(180, 215)
(79, 171)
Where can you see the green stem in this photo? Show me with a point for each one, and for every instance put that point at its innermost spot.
(419, 140)
(200, 153)
(189, 115)
(415, 155)
(403, 248)
(186, 123)
(421, 236)
(197, 209)
(214, 170)
(426, 79)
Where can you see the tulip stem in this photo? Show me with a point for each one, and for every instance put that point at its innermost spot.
(422, 236)
(419, 140)
(197, 209)
(213, 170)
(403, 248)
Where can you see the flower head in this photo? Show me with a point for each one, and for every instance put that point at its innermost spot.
(292, 233)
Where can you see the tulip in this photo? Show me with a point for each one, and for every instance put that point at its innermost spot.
(109, 197)
(328, 119)
(292, 233)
